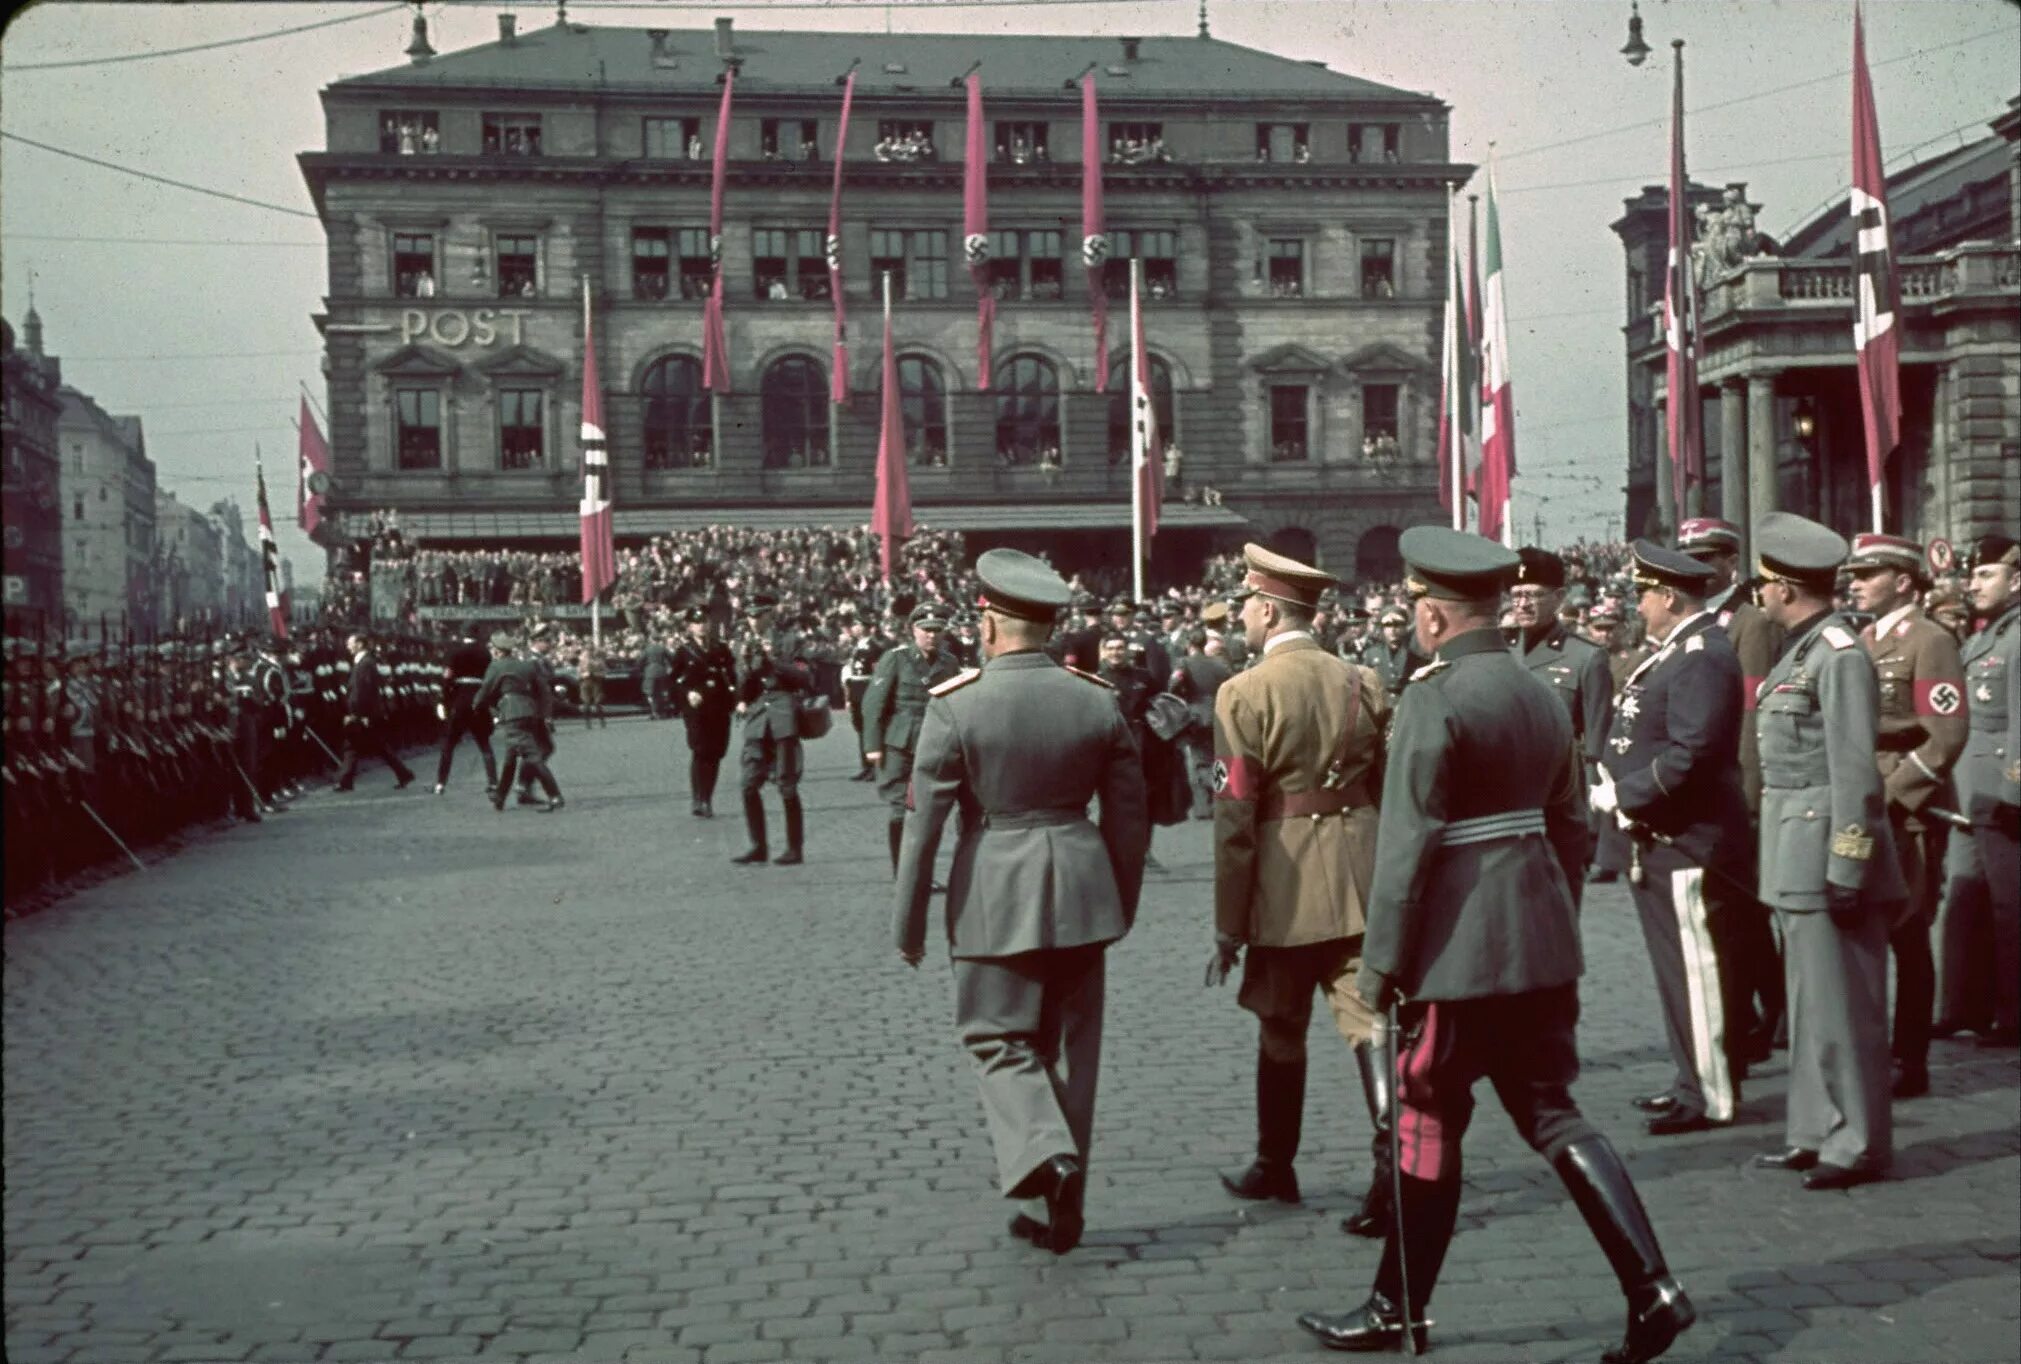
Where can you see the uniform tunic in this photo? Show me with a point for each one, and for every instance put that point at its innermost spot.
(1824, 822)
(1989, 788)
(893, 706)
(1576, 669)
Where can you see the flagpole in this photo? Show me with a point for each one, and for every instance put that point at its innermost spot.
(1456, 388)
(595, 602)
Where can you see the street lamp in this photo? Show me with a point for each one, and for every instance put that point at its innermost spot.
(1635, 50)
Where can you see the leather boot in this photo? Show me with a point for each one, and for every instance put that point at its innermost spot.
(754, 821)
(1280, 1119)
(1378, 1087)
(1430, 1211)
(1658, 1311)
(795, 828)
(895, 835)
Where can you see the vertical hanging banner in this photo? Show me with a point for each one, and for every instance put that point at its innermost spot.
(599, 553)
(312, 463)
(838, 387)
(1680, 318)
(891, 513)
(1877, 292)
(975, 228)
(1455, 383)
(715, 345)
(270, 559)
(1147, 446)
(1094, 236)
(1498, 397)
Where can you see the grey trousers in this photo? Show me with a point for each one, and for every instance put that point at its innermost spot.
(1032, 1025)
(1840, 1101)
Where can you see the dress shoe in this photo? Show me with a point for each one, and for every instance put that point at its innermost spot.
(1066, 1186)
(528, 798)
(1795, 1159)
(554, 804)
(1944, 1029)
(438, 788)
(695, 808)
(2000, 1038)
(1658, 1314)
(752, 858)
(1912, 1082)
(1027, 1228)
(790, 858)
(1679, 1121)
(342, 786)
(708, 810)
(1655, 1103)
(1826, 1176)
(1600, 876)
(402, 783)
(1375, 1325)
(1264, 1179)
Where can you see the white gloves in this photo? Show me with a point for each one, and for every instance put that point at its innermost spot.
(1602, 797)
(441, 711)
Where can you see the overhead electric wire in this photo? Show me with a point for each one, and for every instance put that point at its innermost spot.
(209, 355)
(161, 179)
(152, 241)
(12, 68)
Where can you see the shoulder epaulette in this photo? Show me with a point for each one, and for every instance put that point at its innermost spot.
(955, 683)
(1430, 669)
(1838, 637)
(1089, 677)
(1695, 644)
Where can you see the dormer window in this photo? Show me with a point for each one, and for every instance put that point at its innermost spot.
(1021, 144)
(1375, 143)
(673, 139)
(905, 139)
(409, 132)
(512, 135)
(1284, 143)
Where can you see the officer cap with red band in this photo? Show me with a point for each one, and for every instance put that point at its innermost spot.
(1872, 551)
(1283, 578)
(1708, 535)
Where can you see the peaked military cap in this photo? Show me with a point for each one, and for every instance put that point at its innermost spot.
(694, 615)
(1171, 608)
(1708, 535)
(1394, 615)
(1656, 566)
(927, 616)
(1895, 552)
(1214, 612)
(1355, 615)
(1992, 549)
(503, 640)
(1122, 606)
(1017, 584)
(1539, 568)
(1282, 578)
(1796, 549)
(1454, 565)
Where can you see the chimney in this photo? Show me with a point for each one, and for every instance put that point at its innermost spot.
(1130, 48)
(418, 50)
(508, 27)
(663, 49)
(726, 46)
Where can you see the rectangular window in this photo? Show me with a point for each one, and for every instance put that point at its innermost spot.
(927, 277)
(417, 434)
(512, 134)
(1158, 248)
(674, 139)
(904, 139)
(1378, 267)
(518, 264)
(768, 138)
(789, 139)
(887, 257)
(788, 262)
(1287, 267)
(1021, 143)
(414, 264)
(1379, 420)
(1134, 144)
(697, 266)
(1375, 142)
(1287, 424)
(409, 132)
(522, 440)
(1283, 142)
(651, 252)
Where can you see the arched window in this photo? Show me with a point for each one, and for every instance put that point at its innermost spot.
(1119, 405)
(794, 400)
(680, 418)
(922, 398)
(1376, 557)
(1294, 542)
(1028, 411)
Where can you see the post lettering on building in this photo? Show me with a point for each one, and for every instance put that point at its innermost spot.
(460, 327)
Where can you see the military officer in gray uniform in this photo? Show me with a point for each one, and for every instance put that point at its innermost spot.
(775, 676)
(1827, 862)
(895, 703)
(1989, 792)
(1473, 931)
(1038, 889)
(1393, 654)
(1574, 666)
(516, 688)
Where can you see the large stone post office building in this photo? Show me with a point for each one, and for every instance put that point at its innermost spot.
(1291, 222)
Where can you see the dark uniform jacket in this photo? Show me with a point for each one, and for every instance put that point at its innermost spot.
(1989, 775)
(366, 702)
(1673, 752)
(1020, 746)
(515, 690)
(464, 673)
(1576, 668)
(1923, 721)
(1757, 643)
(1477, 746)
(896, 700)
(1394, 666)
(708, 670)
(1196, 680)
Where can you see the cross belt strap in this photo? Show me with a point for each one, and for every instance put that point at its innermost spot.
(1488, 828)
(1297, 804)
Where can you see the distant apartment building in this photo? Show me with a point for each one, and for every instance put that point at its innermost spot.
(190, 587)
(107, 501)
(33, 487)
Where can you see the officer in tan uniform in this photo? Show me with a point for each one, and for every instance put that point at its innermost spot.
(1827, 862)
(1038, 890)
(1922, 733)
(1297, 765)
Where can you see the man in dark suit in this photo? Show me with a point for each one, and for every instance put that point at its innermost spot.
(365, 715)
(704, 680)
(1672, 768)
(1474, 937)
(1038, 891)
(462, 675)
(1197, 679)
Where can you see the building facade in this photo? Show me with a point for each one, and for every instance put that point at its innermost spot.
(1779, 387)
(107, 500)
(1290, 221)
(33, 484)
(241, 581)
(189, 588)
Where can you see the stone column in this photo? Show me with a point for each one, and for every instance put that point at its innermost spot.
(1666, 478)
(1762, 495)
(1733, 473)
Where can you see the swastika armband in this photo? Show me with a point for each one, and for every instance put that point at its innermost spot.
(1236, 778)
(1853, 844)
(1940, 696)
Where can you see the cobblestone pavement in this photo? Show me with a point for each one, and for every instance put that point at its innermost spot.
(394, 1077)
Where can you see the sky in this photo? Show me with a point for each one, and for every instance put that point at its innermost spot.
(196, 313)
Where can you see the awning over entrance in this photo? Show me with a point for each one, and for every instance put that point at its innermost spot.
(487, 527)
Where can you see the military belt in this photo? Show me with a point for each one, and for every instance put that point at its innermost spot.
(1034, 819)
(1297, 804)
(1488, 828)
